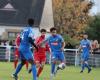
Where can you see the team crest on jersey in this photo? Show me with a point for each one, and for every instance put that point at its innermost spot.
(84, 46)
(54, 43)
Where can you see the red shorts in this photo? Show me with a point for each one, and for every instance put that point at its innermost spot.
(17, 53)
(40, 58)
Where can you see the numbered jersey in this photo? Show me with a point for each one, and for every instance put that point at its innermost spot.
(25, 34)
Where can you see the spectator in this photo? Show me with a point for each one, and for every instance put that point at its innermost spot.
(10, 43)
(6, 43)
(13, 43)
(95, 46)
(2, 43)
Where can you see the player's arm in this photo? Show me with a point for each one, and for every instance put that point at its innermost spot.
(80, 48)
(37, 41)
(45, 41)
(63, 43)
(32, 42)
(16, 41)
(48, 48)
(91, 48)
(31, 39)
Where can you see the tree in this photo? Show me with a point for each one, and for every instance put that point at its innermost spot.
(71, 16)
(93, 28)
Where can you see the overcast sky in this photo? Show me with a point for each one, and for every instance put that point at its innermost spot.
(96, 8)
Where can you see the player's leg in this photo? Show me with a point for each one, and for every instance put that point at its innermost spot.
(15, 62)
(19, 67)
(53, 62)
(29, 57)
(62, 65)
(37, 65)
(26, 63)
(16, 58)
(82, 65)
(34, 71)
(37, 62)
(86, 64)
(40, 69)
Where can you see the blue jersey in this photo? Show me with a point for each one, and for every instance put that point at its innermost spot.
(85, 44)
(55, 42)
(25, 34)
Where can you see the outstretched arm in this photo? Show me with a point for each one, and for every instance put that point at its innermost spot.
(63, 45)
(32, 42)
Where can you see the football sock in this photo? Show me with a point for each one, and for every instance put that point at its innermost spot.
(15, 63)
(86, 65)
(53, 68)
(39, 71)
(83, 66)
(34, 72)
(18, 68)
(26, 65)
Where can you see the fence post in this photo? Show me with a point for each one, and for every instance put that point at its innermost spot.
(76, 58)
(9, 53)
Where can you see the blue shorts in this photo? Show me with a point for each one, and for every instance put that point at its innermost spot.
(58, 56)
(85, 57)
(26, 54)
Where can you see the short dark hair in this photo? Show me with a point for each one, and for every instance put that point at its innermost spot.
(52, 29)
(43, 30)
(31, 21)
(85, 33)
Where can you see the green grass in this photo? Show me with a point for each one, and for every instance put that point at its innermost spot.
(70, 73)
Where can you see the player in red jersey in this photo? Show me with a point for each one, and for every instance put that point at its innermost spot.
(16, 53)
(40, 55)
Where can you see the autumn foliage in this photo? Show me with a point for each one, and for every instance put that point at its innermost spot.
(71, 16)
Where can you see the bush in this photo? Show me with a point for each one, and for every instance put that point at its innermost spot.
(73, 41)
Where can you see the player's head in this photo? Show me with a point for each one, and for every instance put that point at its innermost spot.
(30, 22)
(43, 32)
(18, 35)
(85, 35)
(53, 31)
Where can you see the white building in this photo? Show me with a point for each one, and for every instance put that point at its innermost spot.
(13, 16)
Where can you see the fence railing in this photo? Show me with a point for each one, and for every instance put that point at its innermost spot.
(72, 56)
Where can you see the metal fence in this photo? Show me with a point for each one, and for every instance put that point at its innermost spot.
(72, 56)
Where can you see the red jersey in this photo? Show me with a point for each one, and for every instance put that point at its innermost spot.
(17, 42)
(41, 48)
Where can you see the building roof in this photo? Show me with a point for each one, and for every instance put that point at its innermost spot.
(16, 12)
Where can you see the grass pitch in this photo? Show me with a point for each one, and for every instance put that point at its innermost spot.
(70, 73)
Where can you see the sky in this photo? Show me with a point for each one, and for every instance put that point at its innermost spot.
(96, 8)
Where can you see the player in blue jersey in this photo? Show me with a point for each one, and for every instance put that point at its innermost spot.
(27, 41)
(57, 45)
(86, 48)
